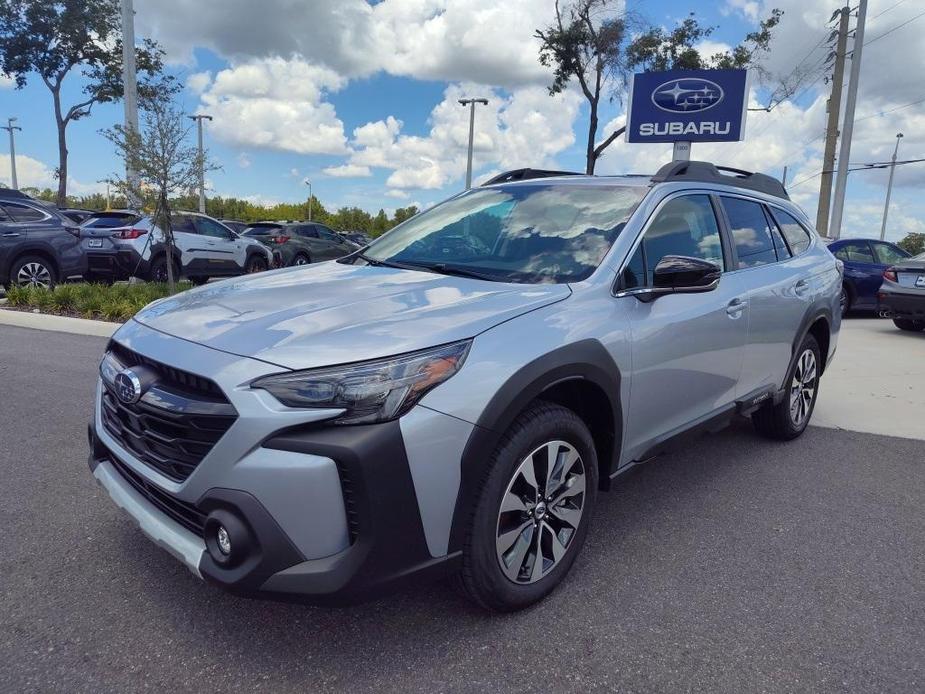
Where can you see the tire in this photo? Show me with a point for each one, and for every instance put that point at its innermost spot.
(301, 259)
(789, 418)
(255, 264)
(507, 503)
(909, 324)
(158, 272)
(33, 271)
(199, 280)
(845, 300)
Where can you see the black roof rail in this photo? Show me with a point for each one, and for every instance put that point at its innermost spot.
(526, 174)
(707, 172)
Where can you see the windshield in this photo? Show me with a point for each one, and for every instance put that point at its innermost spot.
(111, 221)
(528, 233)
(261, 229)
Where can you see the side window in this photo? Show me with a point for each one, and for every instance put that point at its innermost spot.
(857, 251)
(307, 230)
(797, 237)
(887, 254)
(780, 247)
(208, 227)
(750, 232)
(182, 223)
(23, 213)
(684, 226)
(327, 234)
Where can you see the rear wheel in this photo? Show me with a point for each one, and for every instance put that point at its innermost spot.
(159, 270)
(909, 324)
(199, 280)
(788, 419)
(532, 515)
(845, 300)
(255, 264)
(301, 259)
(33, 271)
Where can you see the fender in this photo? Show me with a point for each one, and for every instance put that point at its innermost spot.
(812, 315)
(584, 360)
(160, 247)
(44, 249)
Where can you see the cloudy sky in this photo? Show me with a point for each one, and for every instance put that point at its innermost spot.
(361, 97)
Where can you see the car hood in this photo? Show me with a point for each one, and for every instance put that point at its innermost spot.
(332, 313)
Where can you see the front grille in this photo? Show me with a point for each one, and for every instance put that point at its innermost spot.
(175, 424)
(350, 504)
(183, 513)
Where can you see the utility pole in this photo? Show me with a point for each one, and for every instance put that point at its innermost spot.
(202, 162)
(783, 180)
(844, 153)
(889, 186)
(309, 184)
(10, 128)
(831, 128)
(471, 104)
(130, 88)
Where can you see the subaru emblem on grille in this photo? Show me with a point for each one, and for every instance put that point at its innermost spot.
(128, 386)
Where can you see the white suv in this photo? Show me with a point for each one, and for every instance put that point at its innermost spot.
(120, 247)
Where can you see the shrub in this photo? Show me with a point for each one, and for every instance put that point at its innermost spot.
(117, 302)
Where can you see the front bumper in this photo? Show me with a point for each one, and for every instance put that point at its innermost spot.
(328, 514)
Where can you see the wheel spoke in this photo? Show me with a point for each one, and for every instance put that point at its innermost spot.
(513, 559)
(507, 539)
(574, 485)
(513, 502)
(537, 572)
(557, 548)
(566, 514)
(553, 467)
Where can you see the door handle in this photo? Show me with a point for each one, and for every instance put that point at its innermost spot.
(735, 307)
(10, 234)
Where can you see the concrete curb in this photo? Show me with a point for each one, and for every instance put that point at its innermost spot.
(60, 324)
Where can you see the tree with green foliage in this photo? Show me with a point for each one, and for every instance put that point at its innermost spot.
(913, 242)
(597, 44)
(54, 37)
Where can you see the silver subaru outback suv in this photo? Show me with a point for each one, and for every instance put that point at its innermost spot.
(452, 398)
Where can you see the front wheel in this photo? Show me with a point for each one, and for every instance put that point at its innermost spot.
(301, 259)
(32, 271)
(255, 264)
(788, 419)
(532, 515)
(909, 324)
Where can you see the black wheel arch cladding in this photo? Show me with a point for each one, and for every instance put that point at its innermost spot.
(587, 360)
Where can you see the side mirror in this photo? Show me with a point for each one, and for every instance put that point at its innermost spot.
(681, 274)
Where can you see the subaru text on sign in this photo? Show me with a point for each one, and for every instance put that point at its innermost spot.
(688, 106)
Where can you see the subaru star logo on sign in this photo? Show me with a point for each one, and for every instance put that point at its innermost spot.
(128, 386)
(688, 106)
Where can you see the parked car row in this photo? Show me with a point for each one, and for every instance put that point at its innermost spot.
(41, 245)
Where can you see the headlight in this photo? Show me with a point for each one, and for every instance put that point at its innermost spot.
(370, 391)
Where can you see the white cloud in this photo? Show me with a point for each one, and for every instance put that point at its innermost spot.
(244, 161)
(276, 104)
(33, 173)
(6, 82)
(396, 193)
(348, 171)
(197, 82)
(526, 128)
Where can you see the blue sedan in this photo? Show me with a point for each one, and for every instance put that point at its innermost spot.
(865, 260)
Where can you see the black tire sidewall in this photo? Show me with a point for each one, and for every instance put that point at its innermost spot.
(533, 428)
(252, 261)
(308, 260)
(809, 342)
(162, 263)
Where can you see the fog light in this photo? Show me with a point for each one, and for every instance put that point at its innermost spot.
(224, 542)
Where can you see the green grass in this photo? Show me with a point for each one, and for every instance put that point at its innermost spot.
(117, 303)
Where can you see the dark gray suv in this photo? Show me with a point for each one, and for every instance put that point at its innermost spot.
(300, 243)
(38, 245)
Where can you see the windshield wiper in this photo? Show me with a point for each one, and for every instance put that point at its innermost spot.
(375, 262)
(457, 270)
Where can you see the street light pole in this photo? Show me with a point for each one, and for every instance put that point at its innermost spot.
(10, 127)
(844, 153)
(889, 186)
(130, 90)
(202, 163)
(471, 104)
(309, 184)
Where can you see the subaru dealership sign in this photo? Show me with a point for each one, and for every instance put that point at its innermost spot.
(688, 106)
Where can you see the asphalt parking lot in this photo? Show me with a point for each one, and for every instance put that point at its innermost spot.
(733, 564)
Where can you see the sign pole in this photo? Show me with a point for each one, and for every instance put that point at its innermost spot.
(682, 151)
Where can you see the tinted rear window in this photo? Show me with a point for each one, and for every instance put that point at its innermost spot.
(111, 221)
(258, 229)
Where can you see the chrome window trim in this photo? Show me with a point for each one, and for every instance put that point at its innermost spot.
(46, 215)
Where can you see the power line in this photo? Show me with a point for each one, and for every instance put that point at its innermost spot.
(897, 27)
(883, 113)
(857, 167)
(897, 4)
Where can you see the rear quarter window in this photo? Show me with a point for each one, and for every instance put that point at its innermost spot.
(797, 236)
(751, 232)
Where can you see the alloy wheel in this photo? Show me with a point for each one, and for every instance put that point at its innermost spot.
(34, 274)
(301, 260)
(843, 301)
(803, 388)
(540, 512)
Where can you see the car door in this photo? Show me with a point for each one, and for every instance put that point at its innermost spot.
(226, 252)
(331, 244)
(194, 253)
(779, 292)
(862, 271)
(686, 348)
